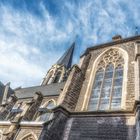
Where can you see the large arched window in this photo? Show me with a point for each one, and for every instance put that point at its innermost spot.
(107, 87)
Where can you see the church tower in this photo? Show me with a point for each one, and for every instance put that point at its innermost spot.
(59, 71)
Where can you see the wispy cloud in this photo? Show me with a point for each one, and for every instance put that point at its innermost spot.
(34, 35)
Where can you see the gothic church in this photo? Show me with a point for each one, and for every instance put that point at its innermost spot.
(98, 99)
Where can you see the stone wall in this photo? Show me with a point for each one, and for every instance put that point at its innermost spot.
(99, 128)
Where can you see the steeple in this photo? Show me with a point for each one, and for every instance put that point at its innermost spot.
(66, 59)
(59, 71)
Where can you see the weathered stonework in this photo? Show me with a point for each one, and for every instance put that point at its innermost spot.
(34, 105)
(25, 131)
(6, 108)
(130, 97)
(55, 128)
(58, 109)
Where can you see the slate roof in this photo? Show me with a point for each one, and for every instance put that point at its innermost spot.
(66, 59)
(46, 90)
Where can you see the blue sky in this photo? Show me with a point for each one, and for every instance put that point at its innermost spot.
(35, 33)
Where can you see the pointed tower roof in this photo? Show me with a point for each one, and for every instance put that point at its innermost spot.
(66, 59)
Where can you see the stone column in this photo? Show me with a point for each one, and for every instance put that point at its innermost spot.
(5, 94)
(137, 70)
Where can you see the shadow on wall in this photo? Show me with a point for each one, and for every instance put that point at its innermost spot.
(100, 128)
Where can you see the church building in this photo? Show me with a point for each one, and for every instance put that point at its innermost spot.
(97, 99)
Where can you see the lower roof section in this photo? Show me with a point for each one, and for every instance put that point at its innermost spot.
(47, 90)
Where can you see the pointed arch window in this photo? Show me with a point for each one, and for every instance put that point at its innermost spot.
(17, 109)
(28, 137)
(57, 78)
(107, 87)
(50, 78)
(45, 112)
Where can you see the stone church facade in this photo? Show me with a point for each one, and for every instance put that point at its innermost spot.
(98, 99)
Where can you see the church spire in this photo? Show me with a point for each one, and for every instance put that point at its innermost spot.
(66, 59)
(59, 72)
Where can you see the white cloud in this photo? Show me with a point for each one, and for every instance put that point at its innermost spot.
(23, 60)
(28, 43)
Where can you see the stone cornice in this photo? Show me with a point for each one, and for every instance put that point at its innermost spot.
(109, 113)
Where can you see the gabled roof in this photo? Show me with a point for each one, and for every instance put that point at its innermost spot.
(123, 40)
(47, 90)
(66, 59)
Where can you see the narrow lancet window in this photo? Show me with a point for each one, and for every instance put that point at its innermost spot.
(57, 78)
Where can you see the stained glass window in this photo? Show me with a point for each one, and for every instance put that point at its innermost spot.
(107, 87)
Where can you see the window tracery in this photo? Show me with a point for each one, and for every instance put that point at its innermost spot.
(28, 137)
(107, 87)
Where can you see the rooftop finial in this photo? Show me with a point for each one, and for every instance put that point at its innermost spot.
(136, 30)
(116, 37)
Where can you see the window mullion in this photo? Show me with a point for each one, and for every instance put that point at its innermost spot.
(112, 86)
(101, 89)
